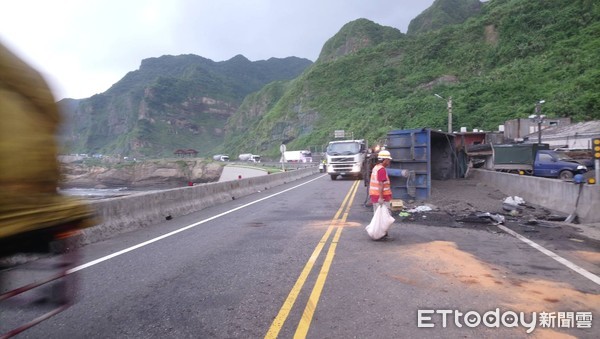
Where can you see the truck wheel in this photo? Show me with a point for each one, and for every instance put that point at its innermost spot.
(566, 175)
(333, 176)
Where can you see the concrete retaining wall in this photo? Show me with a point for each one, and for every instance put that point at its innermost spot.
(122, 214)
(553, 194)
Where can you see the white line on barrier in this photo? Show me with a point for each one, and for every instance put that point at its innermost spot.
(553, 255)
(129, 249)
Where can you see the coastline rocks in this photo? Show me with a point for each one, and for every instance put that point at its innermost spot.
(146, 174)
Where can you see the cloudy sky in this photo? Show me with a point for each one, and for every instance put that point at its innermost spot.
(82, 47)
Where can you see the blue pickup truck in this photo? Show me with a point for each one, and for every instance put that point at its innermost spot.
(535, 159)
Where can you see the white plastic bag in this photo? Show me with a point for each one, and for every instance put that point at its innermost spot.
(380, 224)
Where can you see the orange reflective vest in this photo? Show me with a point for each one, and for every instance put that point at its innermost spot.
(374, 184)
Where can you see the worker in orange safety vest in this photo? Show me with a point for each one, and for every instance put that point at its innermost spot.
(380, 189)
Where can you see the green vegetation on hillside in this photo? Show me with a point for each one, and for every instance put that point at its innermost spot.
(443, 13)
(356, 35)
(495, 66)
(170, 103)
(496, 59)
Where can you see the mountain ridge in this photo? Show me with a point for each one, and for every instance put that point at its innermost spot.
(495, 65)
(170, 102)
(495, 59)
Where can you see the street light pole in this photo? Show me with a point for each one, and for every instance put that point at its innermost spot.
(539, 118)
(449, 101)
(449, 114)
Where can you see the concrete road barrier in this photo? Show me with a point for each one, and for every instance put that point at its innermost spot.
(553, 194)
(122, 214)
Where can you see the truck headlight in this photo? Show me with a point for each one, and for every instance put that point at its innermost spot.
(581, 167)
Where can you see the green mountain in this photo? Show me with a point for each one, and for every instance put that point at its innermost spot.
(495, 65)
(355, 36)
(444, 13)
(170, 103)
(496, 59)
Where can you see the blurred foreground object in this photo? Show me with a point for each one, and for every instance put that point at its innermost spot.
(29, 169)
(34, 217)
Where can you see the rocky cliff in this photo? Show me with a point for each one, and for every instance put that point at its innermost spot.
(169, 103)
(158, 174)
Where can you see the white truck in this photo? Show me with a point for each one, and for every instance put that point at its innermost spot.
(221, 157)
(346, 158)
(249, 157)
(303, 156)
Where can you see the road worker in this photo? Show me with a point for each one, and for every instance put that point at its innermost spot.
(380, 189)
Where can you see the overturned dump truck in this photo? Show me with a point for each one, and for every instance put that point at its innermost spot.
(34, 217)
(427, 155)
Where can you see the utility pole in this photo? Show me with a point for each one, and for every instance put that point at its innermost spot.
(449, 114)
(539, 118)
(596, 153)
(449, 101)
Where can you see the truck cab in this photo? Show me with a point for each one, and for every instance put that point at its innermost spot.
(346, 158)
(554, 164)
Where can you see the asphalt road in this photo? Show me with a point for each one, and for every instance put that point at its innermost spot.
(235, 172)
(296, 260)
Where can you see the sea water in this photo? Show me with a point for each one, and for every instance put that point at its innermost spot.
(96, 193)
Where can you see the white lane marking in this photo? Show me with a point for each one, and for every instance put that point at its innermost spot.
(110, 256)
(553, 255)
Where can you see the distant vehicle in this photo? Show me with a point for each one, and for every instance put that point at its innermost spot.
(249, 157)
(303, 156)
(221, 157)
(346, 158)
(535, 159)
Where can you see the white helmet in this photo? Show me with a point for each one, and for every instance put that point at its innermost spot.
(384, 154)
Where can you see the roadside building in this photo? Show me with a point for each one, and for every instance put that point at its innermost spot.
(518, 129)
(572, 136)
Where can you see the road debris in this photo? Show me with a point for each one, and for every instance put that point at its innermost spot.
(547, 225)
(514, 205)
(423, 208)
(483, 217)
(514, 200)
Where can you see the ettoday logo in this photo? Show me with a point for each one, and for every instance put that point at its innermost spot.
(496, 318)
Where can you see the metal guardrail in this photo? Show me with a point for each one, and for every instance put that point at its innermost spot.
(271, 164)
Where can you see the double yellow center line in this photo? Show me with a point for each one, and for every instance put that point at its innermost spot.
(309, 310)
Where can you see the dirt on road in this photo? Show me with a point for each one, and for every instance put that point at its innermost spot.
(468, 203)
